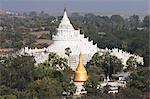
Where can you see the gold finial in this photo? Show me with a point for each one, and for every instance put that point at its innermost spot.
(80, 58)
(65, 9)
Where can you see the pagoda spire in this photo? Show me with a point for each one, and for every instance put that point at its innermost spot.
(65, 16)
(65, 9)
(80, 65)
(65, 22)
(80, 73)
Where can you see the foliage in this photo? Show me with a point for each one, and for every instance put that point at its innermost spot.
(17, 72)
(10, 40)
(117, 22)
(134, 21)
(45, 87)
(8, 97)
(137, 85)
(6, 90)
(108, 63)
(68, 51)
(45, 36)
(29, 39)
(132, 64)
(20, 78)
(40, 46)
(96, 75)
(42, 71)
(56, 61)
(98, 68)
(139, 79)
(91, 88)
(130, 93)
(146, 21)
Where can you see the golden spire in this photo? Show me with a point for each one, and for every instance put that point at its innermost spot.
(80, 73)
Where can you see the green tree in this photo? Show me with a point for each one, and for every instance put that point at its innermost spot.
(131, 63)
(96, 75)
(134, 21)
(29, 39)
(117, 22)
(17, 72)
(57, 62)
(42, 70)
(138, 79)
(32, 14)
(48, 79)
(146, 21)
(108, 63)
(68, 52)
(6, 90)
(45, 88)
(129, 93)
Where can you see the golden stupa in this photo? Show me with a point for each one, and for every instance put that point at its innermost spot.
(80, 73)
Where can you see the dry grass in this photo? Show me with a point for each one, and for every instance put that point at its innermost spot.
(42, 41)
(39, 33)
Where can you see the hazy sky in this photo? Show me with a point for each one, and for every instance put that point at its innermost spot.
(104, 7)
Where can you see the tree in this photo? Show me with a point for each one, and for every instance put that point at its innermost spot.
(146, 21)
(108, 63)
(89, 18)
(138, 79)
(77, 20)
(134, 21)
(45, 88)
(131, 63)
(42, 13)
(17, 72)
(32, 14)
(29, 39)
(56, 62)
(96, 74)
(129, 93)
(111, 64)
(68, 52)
(42, 70)
(117, 22)
(4, 90)
(69, 87)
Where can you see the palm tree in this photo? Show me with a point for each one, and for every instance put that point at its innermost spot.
(68, 52)
(56, 62)
(53, 59)
(111, 64)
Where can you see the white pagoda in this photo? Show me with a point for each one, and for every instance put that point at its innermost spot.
(68, 37)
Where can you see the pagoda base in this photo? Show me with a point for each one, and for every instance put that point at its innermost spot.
(79, 88)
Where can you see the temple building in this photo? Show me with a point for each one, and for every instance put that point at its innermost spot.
(68, 37)
(80, 77)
